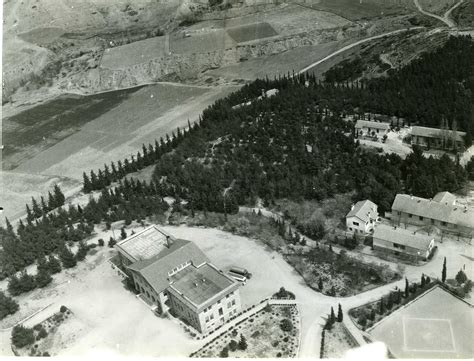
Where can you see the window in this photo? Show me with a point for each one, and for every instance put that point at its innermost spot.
(395, 245)
(219, 301)
(443, 224)
(229, 305)
(355, 223)
(409, 215)
(399, 213)
(233, 302)
(421, 218)
(350, 229)
(212, 316)
(432, 221)
(221, 312)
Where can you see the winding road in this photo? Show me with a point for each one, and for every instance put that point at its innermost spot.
(445, 18)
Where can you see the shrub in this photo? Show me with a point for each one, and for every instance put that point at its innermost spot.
(22, 336)
(286, 325)
(253, 335)
(41, 334)
(100, 242)
(112, 242)
(461, 277)
(37, 327)
(67, 258)
(233, 345)
(63, 309)
(242, 343)
(8, 306)
(43, 278)
(224, 353)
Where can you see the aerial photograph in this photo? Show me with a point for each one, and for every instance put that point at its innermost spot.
(237, 179)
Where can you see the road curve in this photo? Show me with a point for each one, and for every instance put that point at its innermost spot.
(362, 41)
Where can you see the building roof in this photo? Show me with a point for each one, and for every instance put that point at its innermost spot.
(402, 236)
(201, 285)
(363, 210)
(445, 197)
(370, 124)
(434, 132)
(145, 244)
(155, 270)
(446, 211)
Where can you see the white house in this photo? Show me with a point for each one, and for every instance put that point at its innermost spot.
(362, 217)
(367, 128)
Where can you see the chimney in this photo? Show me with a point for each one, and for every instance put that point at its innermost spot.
(352, 206)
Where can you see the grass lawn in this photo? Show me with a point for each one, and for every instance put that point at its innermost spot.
(264, 336)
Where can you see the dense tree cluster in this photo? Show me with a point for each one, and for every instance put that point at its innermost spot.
(130, 200)
(37, 210)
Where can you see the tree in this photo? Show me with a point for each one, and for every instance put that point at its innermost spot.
(339, 313)
(43, 278)
(22, 336)
(53, 264)
(100, 242)
(123, 234)
(332, 316)
(58, 196)
(112, 242)
(423, 281)
(82, 251)
(407, 288)
(461, 277)
(382, 306)
(67, 257)
(443, 272)
(224, 352)
(320, 284)
(8, 306)
(242, 343)
(233, 345)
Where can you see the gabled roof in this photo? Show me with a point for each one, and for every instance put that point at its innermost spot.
(445, 197)
(155, 270)
(370, 124)
(402, 236)
(199, 286)
(434, 132)
(441, 211)
(363, 210)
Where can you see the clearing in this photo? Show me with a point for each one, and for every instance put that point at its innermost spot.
(437, 325)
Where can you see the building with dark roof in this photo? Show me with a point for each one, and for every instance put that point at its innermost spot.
(175, 274)
(402, 242)
(435, 138)
(362, 217)
(442, 211)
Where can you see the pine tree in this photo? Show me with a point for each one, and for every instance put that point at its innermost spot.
(58, 196)
(242, 343)
(36, 208)
(43, 278)
(67, 257)
(82, 251)
(8, 306)
(44, 207)
(443, 272)
(87, 186)
(339, 313)
(332, 316)
(53, 264)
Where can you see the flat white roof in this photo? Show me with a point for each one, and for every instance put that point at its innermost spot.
(145, 244)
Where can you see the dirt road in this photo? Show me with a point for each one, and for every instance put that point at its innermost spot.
(357, 43)
(445, 18)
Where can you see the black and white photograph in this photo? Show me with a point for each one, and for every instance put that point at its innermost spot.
(254, 179)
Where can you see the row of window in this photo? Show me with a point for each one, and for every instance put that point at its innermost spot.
(179, 268)
(421, 218)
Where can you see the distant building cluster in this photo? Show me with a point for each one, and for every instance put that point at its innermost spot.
(442, 212)
(175, 275)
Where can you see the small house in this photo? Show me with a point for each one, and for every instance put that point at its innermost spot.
(435, 138)
(367, 128)
(362, 217)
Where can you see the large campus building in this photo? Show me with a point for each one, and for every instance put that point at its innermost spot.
(442, 211)
(174, 274)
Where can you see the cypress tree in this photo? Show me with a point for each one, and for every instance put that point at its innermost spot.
(58, 196)
(123, 233)
(443, 272)
(332, 316)
(87, 186)
(339, 313)
(382, 307)
(407, 288)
